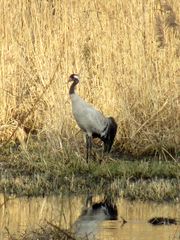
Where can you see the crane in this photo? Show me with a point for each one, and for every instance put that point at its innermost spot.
(93, 123)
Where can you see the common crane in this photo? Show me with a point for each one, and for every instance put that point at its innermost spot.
(91, 121)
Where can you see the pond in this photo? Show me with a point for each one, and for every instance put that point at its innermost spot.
(20, 214)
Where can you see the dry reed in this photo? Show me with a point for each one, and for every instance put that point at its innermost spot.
(127, 57)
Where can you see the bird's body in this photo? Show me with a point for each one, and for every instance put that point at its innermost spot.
(88, 119)
(91, 121)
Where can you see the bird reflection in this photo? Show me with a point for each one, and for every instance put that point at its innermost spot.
(93, 215)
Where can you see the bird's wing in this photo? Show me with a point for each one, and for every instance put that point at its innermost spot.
(88, 118)
(96, 121)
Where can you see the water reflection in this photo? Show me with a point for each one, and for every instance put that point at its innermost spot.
(93, 215)
(19, 214)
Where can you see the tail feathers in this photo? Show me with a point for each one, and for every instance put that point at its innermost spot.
(110, 136)
(108, 139)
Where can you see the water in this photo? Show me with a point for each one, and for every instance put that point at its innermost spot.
(20, 214)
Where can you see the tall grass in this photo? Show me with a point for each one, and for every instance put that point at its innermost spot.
(127, 55)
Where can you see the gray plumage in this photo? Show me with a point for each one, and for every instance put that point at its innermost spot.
(91, 121)
(87, 118)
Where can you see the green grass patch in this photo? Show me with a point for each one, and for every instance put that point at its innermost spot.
(41, 171)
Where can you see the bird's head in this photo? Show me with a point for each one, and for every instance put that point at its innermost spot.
(74, 78)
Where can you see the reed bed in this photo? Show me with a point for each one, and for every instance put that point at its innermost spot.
(127, 55)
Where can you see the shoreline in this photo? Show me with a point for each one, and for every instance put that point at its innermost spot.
(37, 173)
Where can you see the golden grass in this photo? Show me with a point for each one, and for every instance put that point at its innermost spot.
(126, 52)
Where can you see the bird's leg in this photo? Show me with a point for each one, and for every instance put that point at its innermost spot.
(105, 147)
(87, 147)
(105, 150)
(90, 145)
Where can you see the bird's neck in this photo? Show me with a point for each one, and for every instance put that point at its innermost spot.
(73, 87)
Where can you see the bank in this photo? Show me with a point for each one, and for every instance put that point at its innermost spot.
(39, 171)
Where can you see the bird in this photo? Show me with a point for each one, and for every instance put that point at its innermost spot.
(91, 121)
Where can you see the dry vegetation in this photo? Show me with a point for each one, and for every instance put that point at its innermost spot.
(49, 231)
(126, 52)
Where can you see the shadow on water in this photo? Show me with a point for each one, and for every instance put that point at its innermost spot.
(93, 216)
